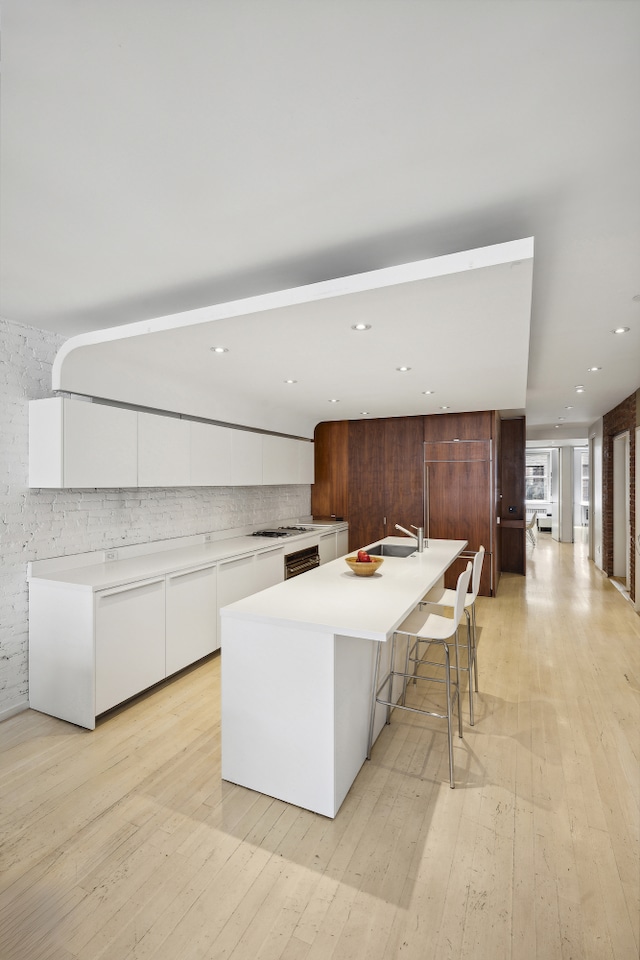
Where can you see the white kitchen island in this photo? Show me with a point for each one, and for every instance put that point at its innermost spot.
(297, 674)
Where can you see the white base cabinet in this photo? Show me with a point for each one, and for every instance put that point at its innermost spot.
(191, 617)
(99, 635)
(129, 641)
(239, 577)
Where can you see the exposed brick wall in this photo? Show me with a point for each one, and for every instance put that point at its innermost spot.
(37, 524)
(621, 418)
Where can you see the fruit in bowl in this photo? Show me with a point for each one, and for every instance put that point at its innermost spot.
(364, 565)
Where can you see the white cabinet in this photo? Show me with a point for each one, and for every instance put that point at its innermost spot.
(306, 473)
(191, 616)
(342, 543)
(286, 460)
(129, 641)
(279, 460)
(327, 547)
(164, 450)
(246, 458)
(269, 569)
(239, 577)
(235, 580)
(210, 455)
(73, 443)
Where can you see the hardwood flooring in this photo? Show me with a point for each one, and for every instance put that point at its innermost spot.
(124, 844)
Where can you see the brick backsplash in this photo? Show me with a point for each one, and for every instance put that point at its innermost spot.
(38, 524)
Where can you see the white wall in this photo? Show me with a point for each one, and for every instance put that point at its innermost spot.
(36, 524)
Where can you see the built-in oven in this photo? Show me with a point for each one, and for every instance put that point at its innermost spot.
(301, 561)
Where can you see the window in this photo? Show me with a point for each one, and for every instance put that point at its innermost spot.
(538, 475)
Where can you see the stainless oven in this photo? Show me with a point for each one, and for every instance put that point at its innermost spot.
(301, 561)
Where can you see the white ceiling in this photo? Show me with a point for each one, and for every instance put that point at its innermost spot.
(293, 358)
(163, 156)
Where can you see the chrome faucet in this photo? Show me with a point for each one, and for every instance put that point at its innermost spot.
(418, 535)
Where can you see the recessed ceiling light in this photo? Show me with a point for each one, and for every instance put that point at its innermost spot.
(428, 393)
(361, 326)
(334, 401)
(403, 369)
(569, 407)
(562, 418)
(219, 349)
(579, 388)
(557, 426)
(593, 369)
(364, 413)
(621, 330)
(291, 381)
(444, 408)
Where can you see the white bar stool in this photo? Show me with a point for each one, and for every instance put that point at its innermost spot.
(443, 597)
(424, 627)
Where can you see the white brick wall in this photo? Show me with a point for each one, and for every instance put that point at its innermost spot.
(35, 525)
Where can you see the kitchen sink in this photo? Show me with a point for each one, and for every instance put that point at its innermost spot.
(391, 550)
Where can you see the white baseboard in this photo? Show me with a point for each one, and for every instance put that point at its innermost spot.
(11, 711)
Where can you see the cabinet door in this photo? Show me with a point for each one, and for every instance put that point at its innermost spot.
(99, 445)
(130, 641)
(342, 543)
(403, 474)
(366, 482)
(246, 458)
(305, 461)
(268, 570)
(330, 490)
(235, 581)
(192, 617)
(327, 547)
(164, 445)
(210, 455)
(279, 460)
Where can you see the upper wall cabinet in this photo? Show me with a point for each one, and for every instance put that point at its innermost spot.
(164, 450)
(74, 443)
(246, 458)
(286, 460)
(78, 444)
(279, 459)
(210, 455)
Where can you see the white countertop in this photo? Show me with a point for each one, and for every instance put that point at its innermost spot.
(332, 599)
(105, 575)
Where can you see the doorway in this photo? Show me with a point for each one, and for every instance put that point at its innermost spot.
(621, 511)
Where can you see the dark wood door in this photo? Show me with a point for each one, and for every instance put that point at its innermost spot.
(366, 482)
(403, 473)
(329, 493)
(459, 506)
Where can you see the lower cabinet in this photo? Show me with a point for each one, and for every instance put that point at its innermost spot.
(342, 543)
(129, 641)
(327, 547)
(90, 651)
(239, 577)
(191, 617)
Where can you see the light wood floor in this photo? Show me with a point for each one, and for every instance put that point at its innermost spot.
(124, 843)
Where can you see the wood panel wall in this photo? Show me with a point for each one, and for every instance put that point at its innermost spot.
(372, 473)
